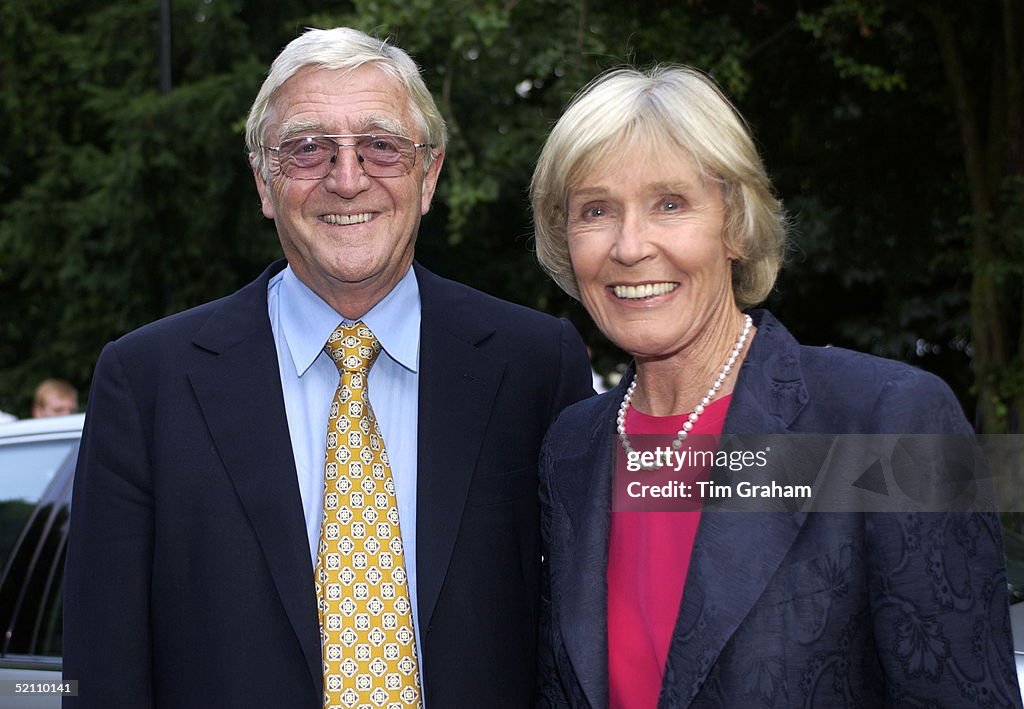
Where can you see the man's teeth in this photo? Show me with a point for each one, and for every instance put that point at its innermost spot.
(345, 219)
(646, 290)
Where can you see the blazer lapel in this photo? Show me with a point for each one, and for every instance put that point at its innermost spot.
(736, 553)
(458, 384)
(583, 482)
(239, 392)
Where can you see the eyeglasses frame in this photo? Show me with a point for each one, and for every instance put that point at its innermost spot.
(338, 146)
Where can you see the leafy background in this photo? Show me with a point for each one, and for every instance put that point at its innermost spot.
(892, 131)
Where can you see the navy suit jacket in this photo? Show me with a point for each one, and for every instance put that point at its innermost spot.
(782, 609)
(188, 580)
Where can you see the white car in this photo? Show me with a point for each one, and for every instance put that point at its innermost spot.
(1017, 621)
(37, 464)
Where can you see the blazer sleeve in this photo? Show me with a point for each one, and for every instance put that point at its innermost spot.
(107, 643)
(938, 589)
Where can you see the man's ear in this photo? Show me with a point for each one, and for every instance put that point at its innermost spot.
(429, 183)
(262, 187)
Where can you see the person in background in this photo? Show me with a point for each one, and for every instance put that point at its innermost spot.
(320, 491)
(652, 207)
(54, 397)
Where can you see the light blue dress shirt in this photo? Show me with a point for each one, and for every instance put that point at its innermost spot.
(302, 322)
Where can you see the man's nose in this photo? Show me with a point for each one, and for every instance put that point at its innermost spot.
(347, 176)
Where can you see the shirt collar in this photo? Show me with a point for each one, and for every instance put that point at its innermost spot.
(308, 321)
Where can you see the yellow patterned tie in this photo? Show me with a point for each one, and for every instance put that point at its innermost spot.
(366, 628)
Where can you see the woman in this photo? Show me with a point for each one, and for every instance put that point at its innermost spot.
(653, 208)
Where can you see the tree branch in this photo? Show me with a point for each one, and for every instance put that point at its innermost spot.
(952, 63)
(581, 31)
(988, 325)
(1013, 28)
(770, 39)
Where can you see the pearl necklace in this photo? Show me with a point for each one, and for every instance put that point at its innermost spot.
(688, 425)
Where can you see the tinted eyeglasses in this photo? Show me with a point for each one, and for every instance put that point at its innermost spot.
(312, 157)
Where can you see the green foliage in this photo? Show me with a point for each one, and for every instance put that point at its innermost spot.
(834, 26)
(119, 205)
(963, 61)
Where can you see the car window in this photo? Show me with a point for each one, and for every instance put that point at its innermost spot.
(26, 468)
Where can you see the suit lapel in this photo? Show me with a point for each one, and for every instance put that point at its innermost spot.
(736, 554)
(458, 384)
(239, 392)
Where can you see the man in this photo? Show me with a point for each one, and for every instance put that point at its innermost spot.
(54, 397)
(214, 560)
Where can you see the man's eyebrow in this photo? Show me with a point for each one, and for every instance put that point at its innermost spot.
(368, 125)
(290, 130)
(382, 124)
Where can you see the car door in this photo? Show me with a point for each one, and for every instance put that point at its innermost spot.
(37, 462)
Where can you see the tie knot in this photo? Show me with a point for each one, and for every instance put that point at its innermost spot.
(353, 347)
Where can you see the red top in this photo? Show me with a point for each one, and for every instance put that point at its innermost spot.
(648, 557)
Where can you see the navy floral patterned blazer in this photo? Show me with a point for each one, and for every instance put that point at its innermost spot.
(820, 609)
